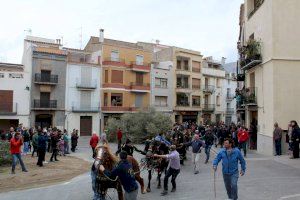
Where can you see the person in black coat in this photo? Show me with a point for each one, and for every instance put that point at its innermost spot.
(42, 145)
(295, 139)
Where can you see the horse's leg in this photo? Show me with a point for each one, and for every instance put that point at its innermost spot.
(120, 191)
(141, 182)
(158, 178)
(149, 180)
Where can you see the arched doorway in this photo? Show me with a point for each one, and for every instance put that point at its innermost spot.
(43, 120)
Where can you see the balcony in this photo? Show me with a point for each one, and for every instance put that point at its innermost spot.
(182, 86)
(86, 85)
(208, 107)
(250, 55)
(114, 61)
(183, 104)
(140, 67)
(94, 108)
(208, 89)
(118, 109)
(8, 108)
(45, 79)
(229, 97)
(139, 87)
(229, 111)
(197, 104)
(196, 87)
(196, 70)
(44, 105)
(247, 97)
(240, 77)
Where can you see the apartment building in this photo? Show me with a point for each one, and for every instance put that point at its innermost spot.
(125, 76)
(83, 91)
(14, 95)
(269, 49)
(47, 61)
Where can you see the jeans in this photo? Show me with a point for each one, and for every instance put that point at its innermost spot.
(278, 147)
(243, 145)
(17, 156)
(26, 147)
(230, 181)
(131, 195)
(207, 152)
(96, 196)
(66, 147)
(196, 158)
(41, 156)
(34, 150)
(171, 172)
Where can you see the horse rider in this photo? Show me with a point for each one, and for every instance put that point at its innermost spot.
(128, 147)
(161, 138)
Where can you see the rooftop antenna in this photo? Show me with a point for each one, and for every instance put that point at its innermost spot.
(28, 31)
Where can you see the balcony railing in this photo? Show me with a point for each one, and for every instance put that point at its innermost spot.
(86, 108)
(230, 97)
(45, 79)
(208, 88)
(197, 70)
(136, 86)
(250, 54)
(183, 68)
(229, 111)
(183, 104)
(39, 104)
(183, 86)
(111, 60)
(196, 87)
(8, 108)
(118, 109)
(86, 85)
(208, 107)
(246, 96)
(196, 104)
(140, 67)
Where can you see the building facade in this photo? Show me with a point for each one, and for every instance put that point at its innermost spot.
(14, 95)
(125, 76)
(83, 92)
(48, 81)
(269, 67)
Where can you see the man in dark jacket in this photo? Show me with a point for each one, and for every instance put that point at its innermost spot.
(295, 139)
(128, 147)
(42, 145)
(209, 141)
(54, 140)
(126, 175)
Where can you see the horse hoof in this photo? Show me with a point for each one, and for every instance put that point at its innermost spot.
(148, 190)
(144, 191)
(159, 186)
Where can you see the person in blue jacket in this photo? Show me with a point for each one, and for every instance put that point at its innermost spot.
(230, 158)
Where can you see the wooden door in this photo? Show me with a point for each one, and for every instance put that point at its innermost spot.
(139, 78)
(6, 100)
(45, 99)
(86, 125)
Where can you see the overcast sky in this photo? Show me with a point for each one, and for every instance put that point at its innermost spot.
(209, 26)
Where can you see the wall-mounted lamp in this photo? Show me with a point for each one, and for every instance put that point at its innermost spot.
(27, 87)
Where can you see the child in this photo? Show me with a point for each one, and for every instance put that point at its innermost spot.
(61, 147)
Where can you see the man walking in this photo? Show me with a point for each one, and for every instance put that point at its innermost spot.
(42, 146)
(174, 168)
(209, 141)
(230, 157)
(15, 149)
(243, 137)
(119, 137)
(93, 143)
(277, 134)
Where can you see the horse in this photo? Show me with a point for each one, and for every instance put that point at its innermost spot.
(155, 164)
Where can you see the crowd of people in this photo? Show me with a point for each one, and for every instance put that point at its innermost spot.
(38, 141)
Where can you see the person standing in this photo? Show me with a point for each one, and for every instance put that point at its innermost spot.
(277, 135)
(243, 137)
(66, 142)
(174, 168)
(15, 149)
(54, 141)
(230, 158)
(35, 139)
(209, 141)
(295, 139)
(26, 139)
(119, 137)
(41, 147)
(103, 138)
(74, 141)
(93, 143)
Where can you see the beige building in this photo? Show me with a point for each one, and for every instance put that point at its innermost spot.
(269, 48)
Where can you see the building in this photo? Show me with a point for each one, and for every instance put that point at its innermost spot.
(48, 63)
(14, 95)
(83, 91)
(269, 49)
(125, 77)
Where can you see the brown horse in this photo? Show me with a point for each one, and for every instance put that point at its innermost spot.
(109, 160)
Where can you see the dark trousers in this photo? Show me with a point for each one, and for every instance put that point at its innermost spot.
(54, 154)
(119, 144)
(278, 147)
(171, 172)
(296, 149)
(243, 145)
(35, 150)
(93, 152)
(41, 156)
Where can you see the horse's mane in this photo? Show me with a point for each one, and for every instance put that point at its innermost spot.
(112, 159)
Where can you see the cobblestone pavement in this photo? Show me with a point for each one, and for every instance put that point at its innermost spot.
(267, 178)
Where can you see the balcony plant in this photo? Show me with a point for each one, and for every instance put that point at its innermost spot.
(252, 51)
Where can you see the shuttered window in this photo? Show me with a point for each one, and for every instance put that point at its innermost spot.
(116, 76)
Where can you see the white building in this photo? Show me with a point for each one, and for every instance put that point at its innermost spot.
(161, 86)
(83, 92)
(14, 95)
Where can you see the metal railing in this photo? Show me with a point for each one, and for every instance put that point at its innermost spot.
(246, 96)
(183, 86)
(111, 59)
(208, 107)
(229, 97)
(183, 103)
(229, 110)
(37, 103)
(208, 88)
(94, 107)
(41, 78)
(8, 108)
(90, 84)
(140, 84)
(140, 63)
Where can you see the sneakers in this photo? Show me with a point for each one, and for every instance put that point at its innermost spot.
(165, 192)
(196, 172)
(25, 170)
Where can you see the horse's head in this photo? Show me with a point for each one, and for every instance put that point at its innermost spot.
(105, 157)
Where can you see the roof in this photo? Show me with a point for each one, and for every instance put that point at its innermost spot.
(11, 66)
(50, 50)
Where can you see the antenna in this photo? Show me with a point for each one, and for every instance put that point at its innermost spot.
(29, 31)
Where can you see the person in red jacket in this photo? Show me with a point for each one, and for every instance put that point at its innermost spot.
(119, 137)
(243, 137)
(15, 149)
(94, 142)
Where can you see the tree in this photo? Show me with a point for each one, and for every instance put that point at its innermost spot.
(140, 125)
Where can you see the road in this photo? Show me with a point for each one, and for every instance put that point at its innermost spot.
(267, 178)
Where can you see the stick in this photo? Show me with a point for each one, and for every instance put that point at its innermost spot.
(215, 190)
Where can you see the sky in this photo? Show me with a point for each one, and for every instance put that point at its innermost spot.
(208, 26)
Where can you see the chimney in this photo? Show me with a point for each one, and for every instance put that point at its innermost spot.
(157, 41)
(58, 41)
(223, 61)
(101, 35)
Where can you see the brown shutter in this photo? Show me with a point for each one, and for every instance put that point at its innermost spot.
(6, 100)
(116, 76)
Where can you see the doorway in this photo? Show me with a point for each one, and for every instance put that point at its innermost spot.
(86, 124)
(43, 120)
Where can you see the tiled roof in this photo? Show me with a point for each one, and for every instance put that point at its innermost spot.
(50, 50)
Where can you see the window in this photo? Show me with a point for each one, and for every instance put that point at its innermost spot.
(161, 82)
(196, 66)
(114, 55)
(182, 99)
(186, 64)
(116, 99)
(116, 76)
(161, 101)
(195, 83)
(196, 100)
(106, 76)
(178, 64)
(105, 99)
(139, 60)
(218, 83)
(15, 75)
(218, 101)
(1, 75)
